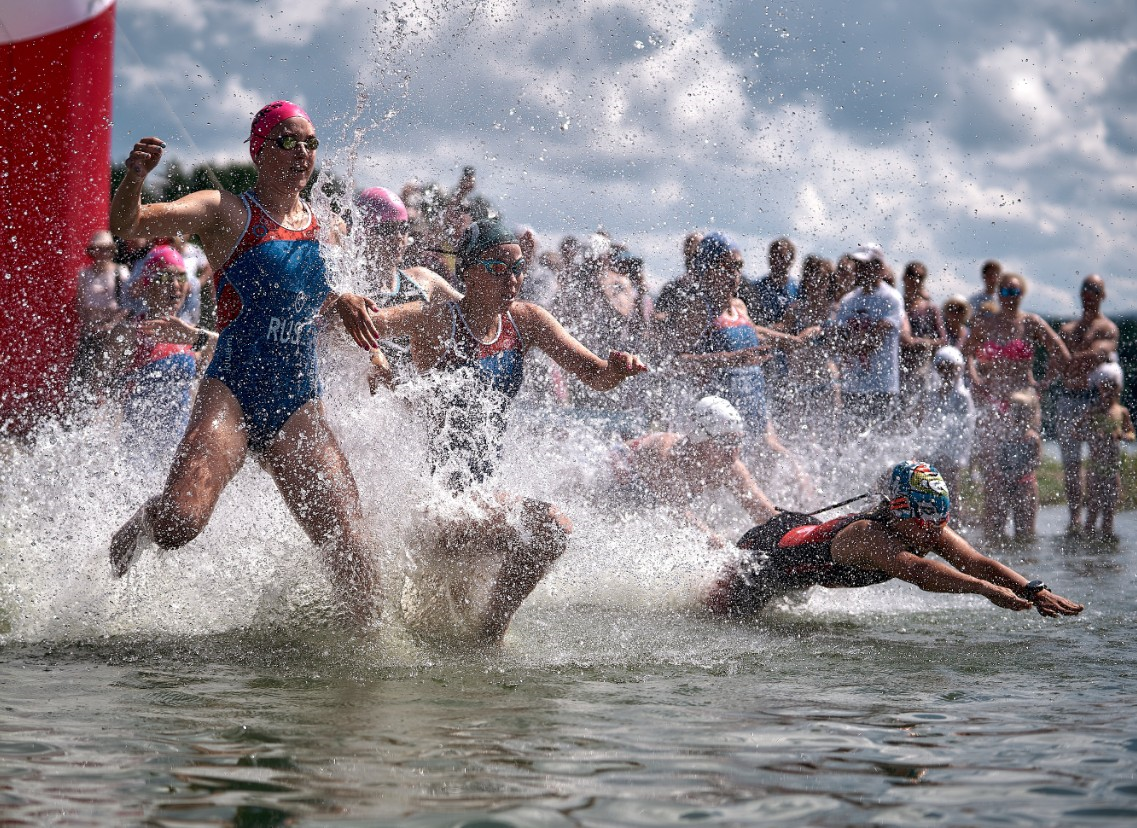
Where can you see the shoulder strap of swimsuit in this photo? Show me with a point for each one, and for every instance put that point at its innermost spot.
(516, 330)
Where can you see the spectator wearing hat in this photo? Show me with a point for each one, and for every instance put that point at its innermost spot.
(946, 419)
(870, 322)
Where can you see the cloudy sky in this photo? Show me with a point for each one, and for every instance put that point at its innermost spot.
(950, 133)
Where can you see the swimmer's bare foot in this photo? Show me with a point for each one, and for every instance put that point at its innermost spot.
(126, 543)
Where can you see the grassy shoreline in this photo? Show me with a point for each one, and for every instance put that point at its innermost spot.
(1051, 491)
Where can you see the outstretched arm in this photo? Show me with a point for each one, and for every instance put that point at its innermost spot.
(964, 557)
(752, 498)
(540, 329)
(865, 545)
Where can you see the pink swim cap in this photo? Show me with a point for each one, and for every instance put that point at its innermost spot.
(265, 120)
(161, 258)
(379, 204)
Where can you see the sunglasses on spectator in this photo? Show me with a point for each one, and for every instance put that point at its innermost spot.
(1010, 292)
(291, 142)
(1093, 287)
(500, 268)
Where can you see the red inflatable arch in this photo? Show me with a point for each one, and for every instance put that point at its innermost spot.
(56, 75)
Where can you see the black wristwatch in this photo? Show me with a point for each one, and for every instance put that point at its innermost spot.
(1030, 590)
(201, 340)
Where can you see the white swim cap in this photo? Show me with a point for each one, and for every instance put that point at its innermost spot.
(948, 355)
(1107, 372)
(712, 417)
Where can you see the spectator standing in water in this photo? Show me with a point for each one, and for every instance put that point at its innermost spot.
(957, 315)
(946, 419)
(814, 402)
(1092, 342)
(261, 392)
(1106, 424)
(1000, 357)
(719, 348)
(767, 299)
(1010, 486)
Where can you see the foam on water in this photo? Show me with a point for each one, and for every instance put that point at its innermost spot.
(64, 496)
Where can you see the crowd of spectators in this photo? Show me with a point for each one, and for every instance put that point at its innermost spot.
(850, 351)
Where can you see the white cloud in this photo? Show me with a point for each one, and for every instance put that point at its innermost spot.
(945, 140)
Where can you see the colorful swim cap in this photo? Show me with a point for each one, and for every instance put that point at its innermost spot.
(266, 120)
(378, 204)
(161, 258)
(710, 418)
(711, 248)
(482, 235)
(917, 490)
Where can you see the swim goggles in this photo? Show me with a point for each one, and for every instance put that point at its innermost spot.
(291, 142)
(497, 267)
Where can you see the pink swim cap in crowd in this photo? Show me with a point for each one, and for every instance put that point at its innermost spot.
(159, 259)
(265, 120)
(380, 204)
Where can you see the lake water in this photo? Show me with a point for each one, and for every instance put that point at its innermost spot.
(204, 689)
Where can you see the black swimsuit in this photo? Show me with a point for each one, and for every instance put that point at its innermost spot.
(791, 552)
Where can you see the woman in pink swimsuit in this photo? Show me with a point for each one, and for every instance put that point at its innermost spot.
(1000, 360)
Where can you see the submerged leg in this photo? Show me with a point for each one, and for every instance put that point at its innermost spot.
(527, 551)
(315, 480)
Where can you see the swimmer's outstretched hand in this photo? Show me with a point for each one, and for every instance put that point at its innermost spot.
(625, 365)
(1003, 597)
(145, 156)
(355, 313)
(1051, 605)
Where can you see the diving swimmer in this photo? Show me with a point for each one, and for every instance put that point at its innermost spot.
(793, 552)
(260, 393)
(702, 451)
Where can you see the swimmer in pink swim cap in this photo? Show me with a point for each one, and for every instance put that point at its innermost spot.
(260, 393)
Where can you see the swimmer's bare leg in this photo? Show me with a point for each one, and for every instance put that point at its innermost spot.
(316, 482)
(211, 452)
(528, 553)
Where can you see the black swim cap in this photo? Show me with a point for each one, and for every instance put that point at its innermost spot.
(480, 236)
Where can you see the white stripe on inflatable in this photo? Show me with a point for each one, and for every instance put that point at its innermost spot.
(27, 19)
